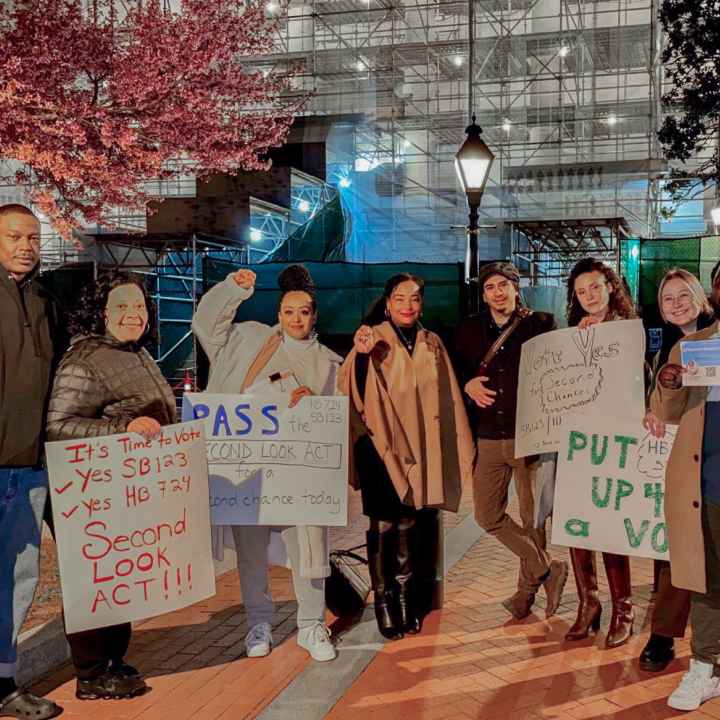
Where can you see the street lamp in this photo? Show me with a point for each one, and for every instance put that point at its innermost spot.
(472, 163)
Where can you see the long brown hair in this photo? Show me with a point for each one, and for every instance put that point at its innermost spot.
(620, 306)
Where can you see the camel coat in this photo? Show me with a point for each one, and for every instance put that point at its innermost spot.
(414, 413)
(683, 495)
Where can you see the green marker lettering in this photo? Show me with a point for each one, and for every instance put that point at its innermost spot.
(636, 539)
(577, 527)
(578, 441)
(624, 440)
(601, 502)
(624, 489)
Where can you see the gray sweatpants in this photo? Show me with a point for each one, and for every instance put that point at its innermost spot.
(251, 542)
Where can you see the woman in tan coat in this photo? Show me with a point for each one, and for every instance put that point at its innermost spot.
(692, 512)
(684, 309)
(414, 446)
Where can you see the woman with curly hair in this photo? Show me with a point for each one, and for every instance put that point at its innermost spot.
(241, 356)
(596, 294)
(108, 383)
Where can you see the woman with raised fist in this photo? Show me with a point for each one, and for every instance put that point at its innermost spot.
(413, 444)
(242, 354)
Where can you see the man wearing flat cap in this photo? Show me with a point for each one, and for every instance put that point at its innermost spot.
(488, 356)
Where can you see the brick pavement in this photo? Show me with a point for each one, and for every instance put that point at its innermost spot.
(470, 661)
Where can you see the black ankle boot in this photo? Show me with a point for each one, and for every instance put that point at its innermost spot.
(657, 654)
(407, 610)
(380, 556)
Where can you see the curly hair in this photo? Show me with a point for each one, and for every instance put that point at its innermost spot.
(376, 314)
(620, 306)
(88, 315)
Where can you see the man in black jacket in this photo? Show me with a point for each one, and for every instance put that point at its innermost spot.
(491, 387)
(26, 353)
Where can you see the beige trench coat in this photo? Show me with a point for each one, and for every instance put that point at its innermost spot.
(683, 496)
(413, 411)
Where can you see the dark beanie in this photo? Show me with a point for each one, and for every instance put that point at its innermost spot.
(506, 269)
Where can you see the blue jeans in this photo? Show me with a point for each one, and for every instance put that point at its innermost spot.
(23, 492)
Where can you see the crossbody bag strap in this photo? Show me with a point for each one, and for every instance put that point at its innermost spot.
(520, 315)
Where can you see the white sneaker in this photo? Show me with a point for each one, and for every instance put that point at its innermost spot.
(697, 686)
(316, 640)
(259, 640)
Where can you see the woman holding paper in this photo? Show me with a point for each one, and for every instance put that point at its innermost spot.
(414, 447)
(692, 510)
(108, 383)
(245, 357)
(596, 294)
(685, 309)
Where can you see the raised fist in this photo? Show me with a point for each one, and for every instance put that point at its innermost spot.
(364, 339)
(245, 278)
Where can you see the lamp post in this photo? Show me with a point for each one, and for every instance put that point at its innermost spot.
(472, 164)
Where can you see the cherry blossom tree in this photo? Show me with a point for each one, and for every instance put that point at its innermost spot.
(96, 99)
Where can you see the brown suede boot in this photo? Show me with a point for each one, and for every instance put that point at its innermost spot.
(617, 568)
(589, 608)
(520, 603)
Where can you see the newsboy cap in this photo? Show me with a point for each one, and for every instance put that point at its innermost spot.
(506, 269)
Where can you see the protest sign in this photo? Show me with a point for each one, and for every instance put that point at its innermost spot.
(610, 487)
(702, 358)
(271, 464)
(132, 525)
(597, 370)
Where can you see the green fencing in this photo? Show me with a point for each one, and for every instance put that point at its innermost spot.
(698, 255)
(345, 291)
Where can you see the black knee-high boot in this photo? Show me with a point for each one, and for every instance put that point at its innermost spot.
(381, 559)
(407, 608)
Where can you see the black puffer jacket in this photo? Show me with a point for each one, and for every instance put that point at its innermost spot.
(101, 385)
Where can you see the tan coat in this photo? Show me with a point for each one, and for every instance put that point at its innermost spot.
(683, 496)
(414, 413)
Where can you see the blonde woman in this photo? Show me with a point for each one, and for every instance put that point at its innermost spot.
(685, 309)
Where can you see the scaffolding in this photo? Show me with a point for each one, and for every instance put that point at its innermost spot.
(566, 91)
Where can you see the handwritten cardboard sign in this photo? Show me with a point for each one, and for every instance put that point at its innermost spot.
(596, 371)
(274, 465)
(132, 525)
(610, 487)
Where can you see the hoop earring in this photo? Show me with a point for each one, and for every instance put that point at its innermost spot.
(387, 314)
